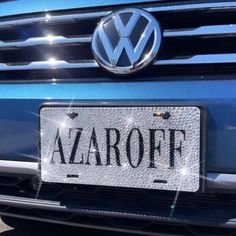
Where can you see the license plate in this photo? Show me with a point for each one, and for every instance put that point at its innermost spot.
(150, 147)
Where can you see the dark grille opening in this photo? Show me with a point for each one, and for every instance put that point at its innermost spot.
(12, 181)
(141, 226)
(44, 53)
(173, 47)
(85, 27)
(191, 19)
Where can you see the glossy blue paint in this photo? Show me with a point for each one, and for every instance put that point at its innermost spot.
(19, 122)
(161, 90)
(28, 6)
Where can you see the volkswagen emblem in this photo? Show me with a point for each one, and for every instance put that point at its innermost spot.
(126, 41)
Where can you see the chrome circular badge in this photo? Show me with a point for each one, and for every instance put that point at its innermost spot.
(126, 41)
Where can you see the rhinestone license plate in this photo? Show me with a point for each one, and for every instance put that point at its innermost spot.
(148, 147)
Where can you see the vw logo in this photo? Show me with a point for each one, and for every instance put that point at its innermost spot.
(126, 41)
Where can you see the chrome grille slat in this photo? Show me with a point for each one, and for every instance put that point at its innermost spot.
(194, 6)
(200, 59)
(51, 19)
(210, 30)
(49, 65)
(48, 40)
(60, 64)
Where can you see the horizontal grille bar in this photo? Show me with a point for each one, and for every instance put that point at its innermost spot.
(73, 17)
(19, 167)
(196, 6)
(52, 19)
(45, 41)
(53, 64)
(203, 31)
(201, 59)
(50, 64)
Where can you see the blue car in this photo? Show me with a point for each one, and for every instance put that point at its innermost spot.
(119, 114)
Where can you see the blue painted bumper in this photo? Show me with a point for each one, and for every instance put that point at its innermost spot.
(20, 103)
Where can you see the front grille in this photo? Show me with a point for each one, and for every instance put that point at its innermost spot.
(198, 38)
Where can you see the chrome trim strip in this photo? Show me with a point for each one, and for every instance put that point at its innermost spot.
(52, 19)
(221, 181)
(48, 18)
(214, 180)
(194, 6)
(48, 65)
(60, 64)
(200, 59)
(211, 30)
(48, 40)
(19, 167)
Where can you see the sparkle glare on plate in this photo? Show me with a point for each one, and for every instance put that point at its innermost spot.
(63, 124)
(184, 171)
(130, 120)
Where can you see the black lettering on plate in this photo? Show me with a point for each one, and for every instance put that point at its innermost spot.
(113, 146)
(59, 148)
(153, 146)
(141, 147)
(173, 147)
(93, 144)
(75, 145)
